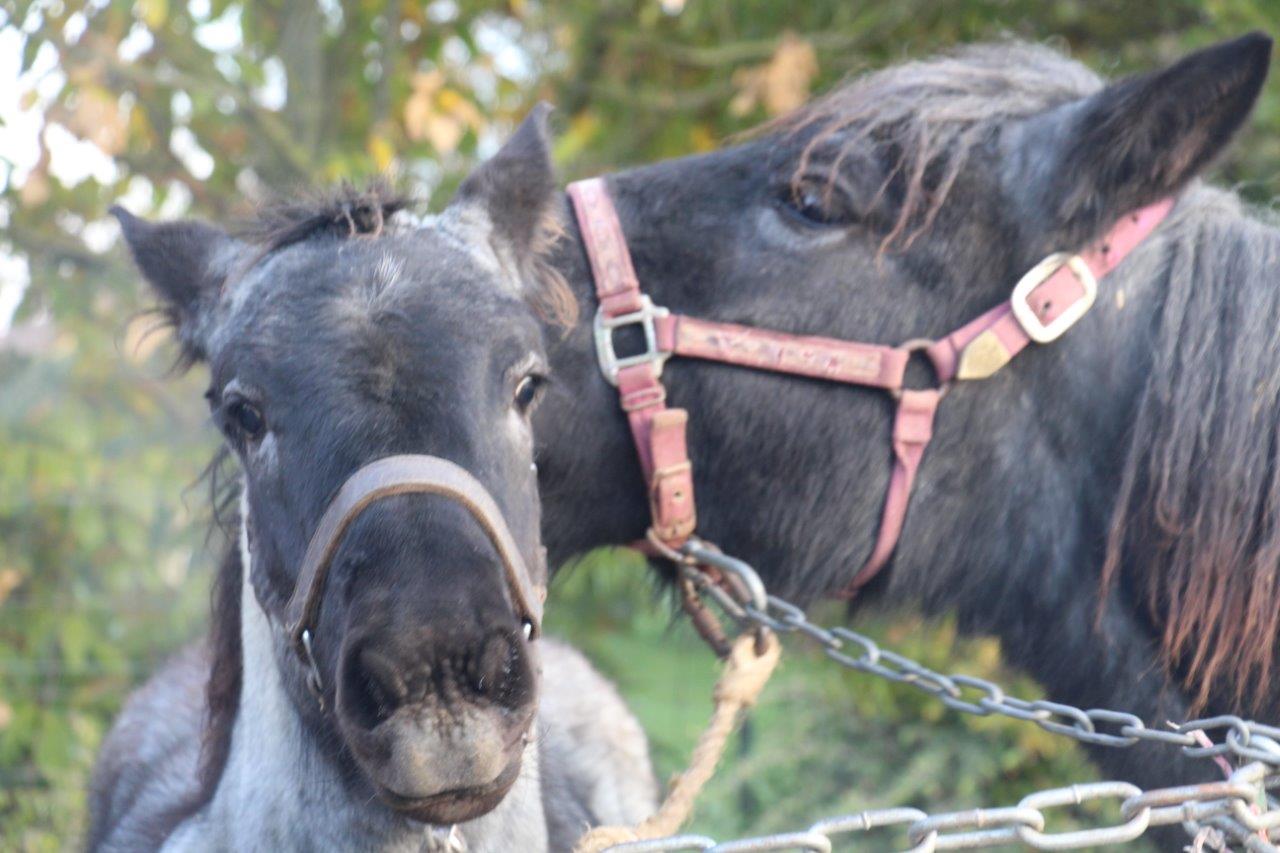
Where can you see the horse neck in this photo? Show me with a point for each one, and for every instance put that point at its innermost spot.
(284, 786)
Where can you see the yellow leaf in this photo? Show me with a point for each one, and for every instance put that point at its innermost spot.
(97, 118)
(448, 99)
(581, 132)
(420, 105)
(381, 151)
(10, 579)
(781, 84)
(702, 137)
(153, 12)
(428, 81)
(443, 132)
(35, 191)
(470, 115)
(788, 74)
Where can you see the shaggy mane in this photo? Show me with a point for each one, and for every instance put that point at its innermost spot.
(342, 211)
(1196, 525)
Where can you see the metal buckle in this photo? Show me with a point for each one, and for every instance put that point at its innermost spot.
(1038, 331)
(314, 682)
(610, 363)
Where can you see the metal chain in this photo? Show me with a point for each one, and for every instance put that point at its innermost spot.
(1212, 813)
(754, 608)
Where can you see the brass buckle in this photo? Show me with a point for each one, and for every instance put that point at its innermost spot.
(1037, 330)
(603, 328)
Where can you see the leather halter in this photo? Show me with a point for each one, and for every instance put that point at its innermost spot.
(401, 475)
(1046, 302)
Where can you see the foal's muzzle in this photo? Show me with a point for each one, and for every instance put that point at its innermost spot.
(383, 478)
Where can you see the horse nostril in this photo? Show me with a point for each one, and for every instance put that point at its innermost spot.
(372, 687)
(499, 672)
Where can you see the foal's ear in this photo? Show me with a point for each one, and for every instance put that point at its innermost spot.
(1144, 138)
(515, 187)
(185, 263)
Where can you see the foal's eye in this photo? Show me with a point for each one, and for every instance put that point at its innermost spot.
(246, 418)
(527, 391)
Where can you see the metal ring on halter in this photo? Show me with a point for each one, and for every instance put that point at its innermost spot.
(911, 347)
(314, 682)
(703, 554)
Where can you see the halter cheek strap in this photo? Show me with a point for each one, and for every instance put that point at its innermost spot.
(1046, 302)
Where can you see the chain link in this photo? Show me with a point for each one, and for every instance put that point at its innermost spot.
(1245, 739)
(1214, 814)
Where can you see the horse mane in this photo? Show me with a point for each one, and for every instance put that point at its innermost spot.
(226, 673)
(1196, 525)
(928, 116)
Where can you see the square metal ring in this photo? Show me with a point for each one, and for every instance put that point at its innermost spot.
(604, 327)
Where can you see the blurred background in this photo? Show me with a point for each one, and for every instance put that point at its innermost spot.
(200, 107)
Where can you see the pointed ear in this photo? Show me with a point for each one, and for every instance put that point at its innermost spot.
(1144, 138)
(186, 264)
(515, 188)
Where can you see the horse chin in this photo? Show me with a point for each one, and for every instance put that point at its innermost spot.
(458, 805)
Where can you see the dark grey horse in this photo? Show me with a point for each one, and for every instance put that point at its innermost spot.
(1106, 505)
(334, 337)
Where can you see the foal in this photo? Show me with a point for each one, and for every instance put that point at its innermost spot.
(335, 337)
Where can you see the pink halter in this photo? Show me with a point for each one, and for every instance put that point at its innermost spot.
(1046, 302)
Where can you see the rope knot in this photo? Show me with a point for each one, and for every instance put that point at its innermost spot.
(747, 671)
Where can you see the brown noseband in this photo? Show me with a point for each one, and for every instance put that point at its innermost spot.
(401, 475)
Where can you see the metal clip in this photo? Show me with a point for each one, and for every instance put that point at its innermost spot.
(703, 554)
(314, 682)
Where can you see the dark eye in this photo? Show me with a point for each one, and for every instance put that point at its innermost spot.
(527, 391)
(817, 204)
(246, 419)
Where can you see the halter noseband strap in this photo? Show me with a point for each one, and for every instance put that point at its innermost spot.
(401, 475)
(1046, 302)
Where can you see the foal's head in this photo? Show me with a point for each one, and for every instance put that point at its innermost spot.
(335, 336)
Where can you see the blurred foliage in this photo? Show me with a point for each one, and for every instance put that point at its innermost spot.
(200, 106)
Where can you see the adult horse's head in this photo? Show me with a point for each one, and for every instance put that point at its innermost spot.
(334, 338)
(902, 206)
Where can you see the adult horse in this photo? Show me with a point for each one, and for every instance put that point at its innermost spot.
(380, 690)
(1106, 504)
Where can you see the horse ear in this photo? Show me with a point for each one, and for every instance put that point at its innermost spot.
(1144, 138)
(515, 187)
(186, 264)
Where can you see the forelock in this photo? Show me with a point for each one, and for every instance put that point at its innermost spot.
(933, 113)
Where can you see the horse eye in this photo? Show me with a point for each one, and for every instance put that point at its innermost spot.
(816, 204)
(247, 418)
(527, 392)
